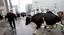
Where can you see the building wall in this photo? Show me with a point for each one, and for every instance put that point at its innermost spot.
(1, 7)
(29, 8)
(51, 4)
(4, 7)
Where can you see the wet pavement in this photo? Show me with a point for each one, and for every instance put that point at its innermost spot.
(3, 27)
(22, 29)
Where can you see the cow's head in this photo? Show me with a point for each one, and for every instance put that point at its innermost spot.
(28, 20)
(60, 13)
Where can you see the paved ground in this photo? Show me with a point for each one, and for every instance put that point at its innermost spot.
(22, 29)
(3, 26)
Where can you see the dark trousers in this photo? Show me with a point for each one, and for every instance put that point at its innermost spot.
(12, 22)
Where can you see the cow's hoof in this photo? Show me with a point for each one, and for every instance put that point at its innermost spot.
(62, 31)
(49, 30)
(34, 33)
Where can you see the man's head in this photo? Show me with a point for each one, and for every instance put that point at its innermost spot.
(47, 10)
(11, 11)
(60, 13)
(37, 9)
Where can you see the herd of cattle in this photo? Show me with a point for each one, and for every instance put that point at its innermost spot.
(39, 18)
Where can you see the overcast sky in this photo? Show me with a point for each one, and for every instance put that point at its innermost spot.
(21, 4)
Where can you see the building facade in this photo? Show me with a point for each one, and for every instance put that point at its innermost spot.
(5, 6)
(28, 8)
(53, 5)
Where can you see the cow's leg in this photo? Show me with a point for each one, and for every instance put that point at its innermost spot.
(38, 26)
(62, 30)
(50, 27)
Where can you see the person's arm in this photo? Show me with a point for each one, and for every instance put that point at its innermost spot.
(15, 17)
(6, 16)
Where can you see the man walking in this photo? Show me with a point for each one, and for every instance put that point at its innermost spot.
(11, 19)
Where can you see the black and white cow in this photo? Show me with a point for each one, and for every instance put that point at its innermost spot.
(49, 18)
(37, 19)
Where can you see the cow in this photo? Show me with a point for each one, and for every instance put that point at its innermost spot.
(49, 18)
(61, 15)
(37, 19)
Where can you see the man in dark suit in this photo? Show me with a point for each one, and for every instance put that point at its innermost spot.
(11, 19)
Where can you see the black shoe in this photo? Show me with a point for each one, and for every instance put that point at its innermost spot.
(45, 27)
(34, 34)
(62, 31)
(49, 30)
(12, 28)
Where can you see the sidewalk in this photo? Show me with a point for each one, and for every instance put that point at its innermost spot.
(3, 26)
